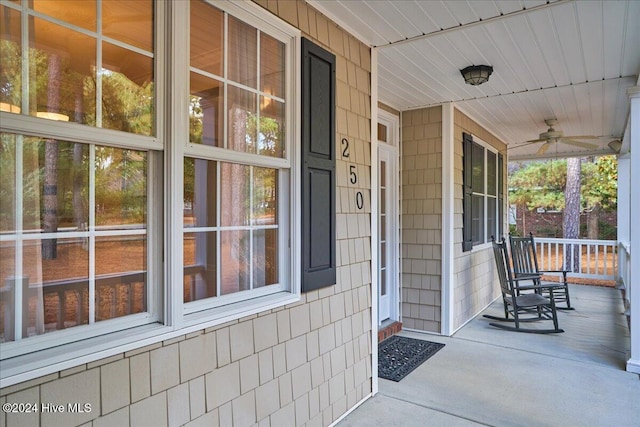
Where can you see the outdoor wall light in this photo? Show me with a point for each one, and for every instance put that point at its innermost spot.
(476, 74)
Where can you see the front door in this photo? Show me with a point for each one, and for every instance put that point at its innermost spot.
(388, 224)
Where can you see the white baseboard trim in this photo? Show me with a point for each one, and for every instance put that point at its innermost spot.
(367, 397)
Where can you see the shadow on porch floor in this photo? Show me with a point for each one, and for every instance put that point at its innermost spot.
(487, 376)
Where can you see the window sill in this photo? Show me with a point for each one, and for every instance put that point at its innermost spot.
(44, 362)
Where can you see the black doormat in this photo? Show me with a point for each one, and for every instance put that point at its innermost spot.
(398, 356)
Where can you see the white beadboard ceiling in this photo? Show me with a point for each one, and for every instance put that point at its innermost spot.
(567, 60)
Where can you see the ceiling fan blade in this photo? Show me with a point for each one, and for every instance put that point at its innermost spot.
(543, 148)
(522, 144)
(581, 137)
(578, 143)
(538, 140)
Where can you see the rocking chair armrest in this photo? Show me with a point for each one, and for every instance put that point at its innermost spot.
(541, 286)
(564, 272)
(520, 277)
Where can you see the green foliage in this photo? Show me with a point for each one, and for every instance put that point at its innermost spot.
(600, 183)
(542, 184)
(539, 184)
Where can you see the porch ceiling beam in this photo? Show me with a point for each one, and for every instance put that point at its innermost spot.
(472, 24)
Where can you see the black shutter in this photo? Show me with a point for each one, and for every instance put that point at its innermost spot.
(318, 167)
(500, 197)
(467, 190)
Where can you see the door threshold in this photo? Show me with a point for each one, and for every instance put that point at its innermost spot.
(388, 328)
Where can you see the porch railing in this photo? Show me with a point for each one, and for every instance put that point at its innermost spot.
(592, 259)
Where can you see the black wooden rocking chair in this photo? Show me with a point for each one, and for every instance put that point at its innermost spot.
(522, 307)
(525, 262)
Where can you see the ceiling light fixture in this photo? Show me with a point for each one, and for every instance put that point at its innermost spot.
(476, 74)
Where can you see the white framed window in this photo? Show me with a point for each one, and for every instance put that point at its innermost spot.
(238, 158)
(141, 203)
(483, 192)
(76, 252)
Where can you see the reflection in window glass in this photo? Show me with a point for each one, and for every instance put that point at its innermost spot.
(56, 239)
(200, 193)
(477, 219)
(207, 37)
(7, 183)
(265, 257)
(121, 188)
(243, 53)
(265, 191)
(206, 111)
(272, 54)
(271, 136)
(11, 60)
(81, 13)
(129, 21)
(62, 86)
(234, 194)
(492, 184)
(120, 276)
(200, 251)
(55, 187)
(491, 218)
(243, 119)
(127, 90)
(477, 158)
(235, 261)
(65, 72)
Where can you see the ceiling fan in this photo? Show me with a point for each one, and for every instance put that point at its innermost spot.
(552, 136)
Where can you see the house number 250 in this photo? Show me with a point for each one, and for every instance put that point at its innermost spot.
(353, 174)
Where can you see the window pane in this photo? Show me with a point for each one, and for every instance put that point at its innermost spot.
(272, 54)
(7, 183)
(11, 60)
(7, 291)
(382, 132)
(121, 188)
(271, 137)
(235, 261)
(207, 37)
(58, 287)
(477, 220)
(491, 218)
(127, 90)
(265, 257)
(121, 276)
(62, 73)
(55, 187)
(81, 13)
(243, 53)
(235, 196)
(129, 21)
(477, 158)
(265, 196)
(492, 181)
(242, 112)
(200, 266)
(200, 193)
(206, 111)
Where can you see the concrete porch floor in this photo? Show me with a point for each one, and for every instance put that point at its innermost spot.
(487, 376)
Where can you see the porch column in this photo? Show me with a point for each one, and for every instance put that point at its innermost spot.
(633, 364)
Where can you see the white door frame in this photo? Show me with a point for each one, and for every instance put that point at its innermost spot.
(389, 152)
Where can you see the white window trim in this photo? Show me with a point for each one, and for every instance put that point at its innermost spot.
(172, 104)
(487, 235)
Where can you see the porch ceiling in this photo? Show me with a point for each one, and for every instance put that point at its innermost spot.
(568, 60)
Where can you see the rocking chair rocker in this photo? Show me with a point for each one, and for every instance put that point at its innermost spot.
(522, 307)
